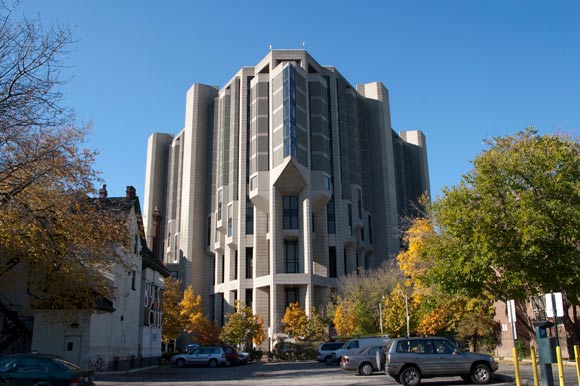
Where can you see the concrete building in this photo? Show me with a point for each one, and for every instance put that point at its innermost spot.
(280, 182)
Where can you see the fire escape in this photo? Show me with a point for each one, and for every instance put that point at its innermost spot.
(15, 328)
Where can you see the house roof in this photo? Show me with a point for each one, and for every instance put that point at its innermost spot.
(124, 205)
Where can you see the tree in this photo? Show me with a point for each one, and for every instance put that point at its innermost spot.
(511, 228)
(191, 310)
(362, 293)
(395, 312)
(48, 227)
(316, 327)
(172, 318)
(243, 327)
(295, 321)
(344, 320)
(207, 333)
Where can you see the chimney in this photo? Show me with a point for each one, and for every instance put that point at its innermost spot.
(130, 193)
(103, 192)
(156, 234)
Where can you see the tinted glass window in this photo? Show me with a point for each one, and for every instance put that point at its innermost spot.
(196, 351)
(65, 365)
(204, 350)
(373, 350)
(28, 365)
(353, 344)
(7, 363)
(443, 347)
(215, 350)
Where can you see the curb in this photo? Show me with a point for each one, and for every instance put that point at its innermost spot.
(97, 373)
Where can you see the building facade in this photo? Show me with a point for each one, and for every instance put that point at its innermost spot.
(121, 333)
(280, 182)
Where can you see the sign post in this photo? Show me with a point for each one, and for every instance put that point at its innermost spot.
(511, 309)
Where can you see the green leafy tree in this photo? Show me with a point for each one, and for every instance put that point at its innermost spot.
(243, 327)
(511, 228)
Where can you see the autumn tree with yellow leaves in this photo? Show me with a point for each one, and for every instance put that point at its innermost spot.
(303, 327)
(51, 234)
(172, 323)
(243, 327)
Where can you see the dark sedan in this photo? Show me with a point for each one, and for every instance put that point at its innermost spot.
(44, 369)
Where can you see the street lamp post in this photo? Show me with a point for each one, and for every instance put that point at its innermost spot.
(381, 313)
(406, 310)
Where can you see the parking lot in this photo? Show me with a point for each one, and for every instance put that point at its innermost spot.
(264, 373)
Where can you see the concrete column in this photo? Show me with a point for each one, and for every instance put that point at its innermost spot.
(307, 242)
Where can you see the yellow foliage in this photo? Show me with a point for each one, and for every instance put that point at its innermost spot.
(414, 263)
(433, 323)
(191, 310)
(295, 321)
(344, 318)
(172, 319)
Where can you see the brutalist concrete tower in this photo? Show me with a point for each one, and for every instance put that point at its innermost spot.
(280, 182)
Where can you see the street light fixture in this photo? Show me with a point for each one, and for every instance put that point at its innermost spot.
(381, 312)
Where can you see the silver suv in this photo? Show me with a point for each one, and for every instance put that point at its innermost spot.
(326, 351)
(212, 356)
(408, 360)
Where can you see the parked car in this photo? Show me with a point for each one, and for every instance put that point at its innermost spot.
(44, 369)
(364, 361)
(326, 350)
(232, 355)
(212, 356)
(191, 346)
(408, 360)
(355, 345)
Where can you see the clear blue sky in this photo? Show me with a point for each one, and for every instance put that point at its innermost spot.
(459, 70)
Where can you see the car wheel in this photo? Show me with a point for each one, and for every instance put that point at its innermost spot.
(397, 379)
(410, 376)
(213, 362)
(481, 374)
(180, 362)
(328, 360)
(365, 369)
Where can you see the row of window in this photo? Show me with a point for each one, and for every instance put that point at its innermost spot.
(291, 262)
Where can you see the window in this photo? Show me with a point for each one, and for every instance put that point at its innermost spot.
(289, 105)
(230, 221)
(291, 295)
(291, 256)
(236, 265)
(290, 212)
(219, 208)
(359, 203)
(249, 217)
(370, 230)
(249, 262)
(344, 258)
(249, 297)
(133, 280)
(330, 219)
(350, 218)
(223, 268)
(332, 261)
(208, 234)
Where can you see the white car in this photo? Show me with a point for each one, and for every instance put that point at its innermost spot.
(211, 356)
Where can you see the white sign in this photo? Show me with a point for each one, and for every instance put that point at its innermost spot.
(557, 296)
(511, 310)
